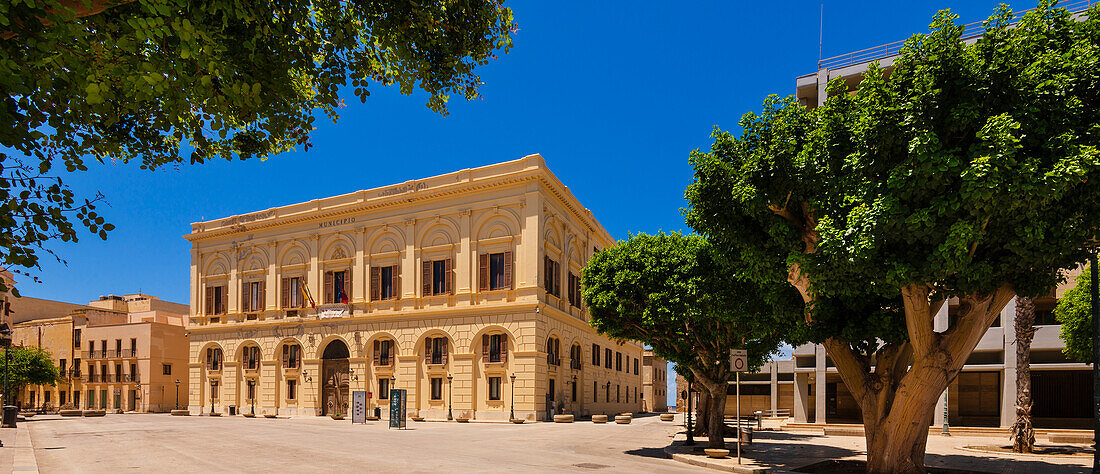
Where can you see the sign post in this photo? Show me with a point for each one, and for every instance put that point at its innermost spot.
(359, 406)
(739, 361)
(397, 408)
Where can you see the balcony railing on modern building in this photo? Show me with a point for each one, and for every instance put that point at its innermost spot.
(972, 30)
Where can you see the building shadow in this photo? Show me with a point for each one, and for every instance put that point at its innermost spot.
(647, 452)
(979, 462)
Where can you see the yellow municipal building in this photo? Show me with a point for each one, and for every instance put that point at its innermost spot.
(462, 289)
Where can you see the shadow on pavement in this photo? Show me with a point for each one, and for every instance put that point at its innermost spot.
(647, 452)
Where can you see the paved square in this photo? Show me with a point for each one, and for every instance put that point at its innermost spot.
(204, 444)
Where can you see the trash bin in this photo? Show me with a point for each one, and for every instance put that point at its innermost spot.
(746, 435)
(9, 416)
(232, 410)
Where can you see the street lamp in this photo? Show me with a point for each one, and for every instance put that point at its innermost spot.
(252, 394)
(449, 393)
(5, 342)
(512, 406)
(177, 394)
(213, 384)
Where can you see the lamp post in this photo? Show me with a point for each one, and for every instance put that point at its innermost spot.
(449, 392)
(512, 406)
(177, 394)
(573, 394)
(5, 342)
(213, 384)
(252, 395)
(690, 438)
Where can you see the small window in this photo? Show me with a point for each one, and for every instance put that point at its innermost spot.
(292, 389)
(439, 277)
(76, 338)
(438, 350)
(383, 389)
(596, 355)
(496, 272)
(213, 358)
(166, 369)
(635, 366)
(215, 300)
(251, 356)
(607, 358)
(574, 290)
(61, 365)
(595, 392)
(133, 347)
(293, 293)
(385, 352)
(618, 361)
(437, 388)
(552, 276)
(573, 386)
(337, 287)
(494, 388)
(551, 390)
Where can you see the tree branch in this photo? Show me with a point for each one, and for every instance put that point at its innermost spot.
(918, 319)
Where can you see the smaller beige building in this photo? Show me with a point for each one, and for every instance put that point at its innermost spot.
(125, 353)
(654, 383)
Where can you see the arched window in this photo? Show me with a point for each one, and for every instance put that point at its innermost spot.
(213, 358)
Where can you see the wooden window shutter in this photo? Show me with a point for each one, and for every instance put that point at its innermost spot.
(450, 277)
(285, 293)
(286, 355)
(328, 287)
(225, 299)
(485, 348)
(426, 281)
(508, 269)
(244, 297)
(347, 284)
(263, 296)
(483, 272)
(376, 344)
(445, 347)
(375, 283)
(504, 348)
(209, 360)
(396, 282)
(428, 350)
(548, 277)
(557, 279)
(210, 309)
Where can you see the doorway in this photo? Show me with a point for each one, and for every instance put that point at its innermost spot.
(335, 384)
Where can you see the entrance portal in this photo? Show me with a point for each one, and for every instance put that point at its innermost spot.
(334, 379)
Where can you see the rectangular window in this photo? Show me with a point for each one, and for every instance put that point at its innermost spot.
(118, 348)
(552, 276)
(133, 347)
(635, 366)
(383, 389)
(291, 355)
(437, 388)
(61, 365)
(337, 287)
(574, 388)
(494, 388)
(255, 301)
(76, 368)
(618, 361)
(388, 282)
(596, 355)
(607, 358)
(133, 373)
(91, 398)
(103, 399)
(293, 293)
(291, 389)
(552, 391)
(595, 392)
(215, 300)
(439, 277)
(76, 338)
(496, 271)
(438, 350)
(118, 372)
(495, 341)
(574, 290)
(385, 349)
(166, 369)
(618, 399)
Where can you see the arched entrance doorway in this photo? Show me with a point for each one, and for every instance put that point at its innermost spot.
(334, 379)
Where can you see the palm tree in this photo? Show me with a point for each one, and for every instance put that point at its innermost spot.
(1023, 434)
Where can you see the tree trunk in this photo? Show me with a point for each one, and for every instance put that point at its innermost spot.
(716, 414)
(1023, 434)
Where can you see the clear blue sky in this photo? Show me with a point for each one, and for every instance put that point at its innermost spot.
(613, 94)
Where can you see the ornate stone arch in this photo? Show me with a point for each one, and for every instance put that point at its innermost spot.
(337, 247)
(497, 223)
(202, 351)
(440, 232)
(386, 239)
(294, 253)
(216, 264)
(319, 351)
(475, 342)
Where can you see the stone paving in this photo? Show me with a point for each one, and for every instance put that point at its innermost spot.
(309, 444)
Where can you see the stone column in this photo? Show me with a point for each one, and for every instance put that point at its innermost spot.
(774, 398)
(1008, 380)
(819, 384)
(801, 397)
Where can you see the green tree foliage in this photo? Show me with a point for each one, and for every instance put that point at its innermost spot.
(678, 295)
(967, 170)
(166, 82)
(28, 366)
(1074, 313)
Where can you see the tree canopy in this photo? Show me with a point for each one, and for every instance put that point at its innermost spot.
(966, 170)
(28, 366)
(168, 82)
(1074, 313)
(683, 298)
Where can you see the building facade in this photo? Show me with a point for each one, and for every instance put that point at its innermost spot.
(654, 383)
(118, 353)
(462, 289)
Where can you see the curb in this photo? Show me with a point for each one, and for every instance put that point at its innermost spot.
(23, 458)
(702, 461)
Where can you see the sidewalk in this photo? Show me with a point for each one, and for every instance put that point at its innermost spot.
(783, 451)
(17, 455)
